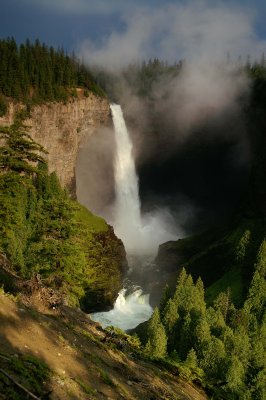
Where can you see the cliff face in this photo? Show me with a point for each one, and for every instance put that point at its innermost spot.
(61, 129)
(97, 252)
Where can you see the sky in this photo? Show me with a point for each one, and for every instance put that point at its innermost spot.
(120, 31)
(114, 33)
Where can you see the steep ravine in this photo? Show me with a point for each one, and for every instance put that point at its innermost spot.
(62, 127)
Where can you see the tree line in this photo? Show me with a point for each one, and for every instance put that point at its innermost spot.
(218, 345)
(38, 73)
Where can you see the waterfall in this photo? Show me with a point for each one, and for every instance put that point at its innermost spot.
(141, 235)
(127, 218)
(128, 312)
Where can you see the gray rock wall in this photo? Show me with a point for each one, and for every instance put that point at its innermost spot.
(61, 128)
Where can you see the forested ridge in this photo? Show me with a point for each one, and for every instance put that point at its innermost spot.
(35, 73)
(214, 336)
(219, 345)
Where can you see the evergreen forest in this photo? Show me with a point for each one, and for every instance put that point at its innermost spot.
(210, 327)
(35, 73)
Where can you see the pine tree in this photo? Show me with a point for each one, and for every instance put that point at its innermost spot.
(256, 301)
(213, 358)
(170, 319)
(157, 341)
(222, 303)
(235, 376)
(34, 73)
(191, 360)
(20, 153)
(170, 316)
(164, 299)
(189, 369)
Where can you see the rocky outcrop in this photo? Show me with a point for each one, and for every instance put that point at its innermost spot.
(62, 127)
(108, 270)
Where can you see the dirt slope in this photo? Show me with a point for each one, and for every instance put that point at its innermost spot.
(82, 363)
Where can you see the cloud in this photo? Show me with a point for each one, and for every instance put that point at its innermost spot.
(202, 102)
(88, 7)
(201, 93)
(196, 31)
(203, 33)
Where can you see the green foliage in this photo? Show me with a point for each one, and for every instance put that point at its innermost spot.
(106, 378)
(157, 342)
(125, 341)
(235, 375)
(220, 346)
(242, 245)
(19, 153)
(35, 73)
(224, 258)
(43, 231)
(29, 371)
(190, 369)
(86, 388)
(256, 301)
(232, 280)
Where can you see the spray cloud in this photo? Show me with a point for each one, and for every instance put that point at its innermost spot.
(206, 35)
(140, 235)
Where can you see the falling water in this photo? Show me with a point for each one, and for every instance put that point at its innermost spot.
(128, 312)
(127, 218)
(140, 235)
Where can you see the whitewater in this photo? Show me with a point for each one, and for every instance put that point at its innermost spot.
(141, 235)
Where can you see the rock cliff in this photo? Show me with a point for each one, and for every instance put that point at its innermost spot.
(62, 127)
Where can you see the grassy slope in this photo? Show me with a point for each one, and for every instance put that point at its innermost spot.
(64, 354)
(223, 258)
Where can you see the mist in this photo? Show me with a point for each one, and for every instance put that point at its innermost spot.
(95, 171)
(141, 233)
(190, 145)
(196, 31)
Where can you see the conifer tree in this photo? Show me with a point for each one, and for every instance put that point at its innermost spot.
(256, 301)
(191, 360)
(164, 299)
(235, 376)
(157, 341)
(222, 303)
(170, 316)
(20, 153)
(36, 73)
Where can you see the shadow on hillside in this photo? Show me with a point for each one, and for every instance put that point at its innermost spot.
(30, 344)
(61, 354)
(22, 374)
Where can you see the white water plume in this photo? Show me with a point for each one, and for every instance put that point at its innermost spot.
(127, 217)
(140, 234)
(128, 312)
